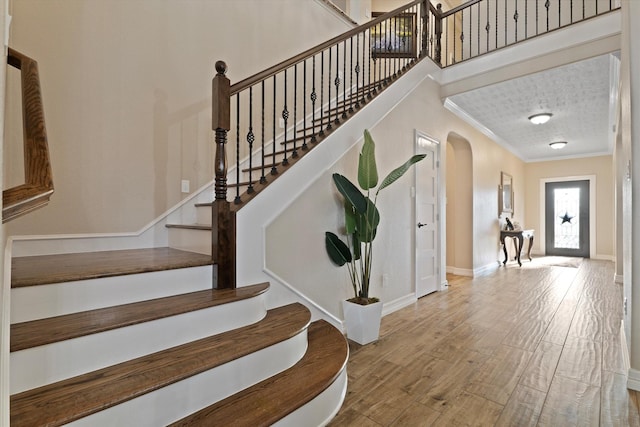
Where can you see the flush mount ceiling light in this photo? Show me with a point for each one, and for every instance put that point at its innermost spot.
(538, 119)
(558, 145)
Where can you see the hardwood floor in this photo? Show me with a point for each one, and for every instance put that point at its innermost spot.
(538, 345)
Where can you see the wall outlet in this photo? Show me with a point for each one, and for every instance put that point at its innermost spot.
(385, 280)
(185, 186)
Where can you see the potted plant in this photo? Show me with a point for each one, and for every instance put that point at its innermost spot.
(361, 223)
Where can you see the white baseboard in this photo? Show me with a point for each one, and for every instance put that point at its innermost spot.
(460, 271)
(604, 257)
(397, 304)
(489, 268)
(633, 379)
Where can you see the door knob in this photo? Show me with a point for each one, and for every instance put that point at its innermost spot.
(420, 225)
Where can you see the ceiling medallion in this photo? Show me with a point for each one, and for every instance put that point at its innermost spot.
(538, 119)
(558, 145)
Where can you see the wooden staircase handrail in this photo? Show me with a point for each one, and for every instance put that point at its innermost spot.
(269, 72)
(38, 186)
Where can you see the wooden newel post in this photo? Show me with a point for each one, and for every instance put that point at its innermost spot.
(223, 239)
(424, 14)
(438, 31)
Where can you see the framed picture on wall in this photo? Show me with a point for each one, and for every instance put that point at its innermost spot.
(505, 194)
(395, 37)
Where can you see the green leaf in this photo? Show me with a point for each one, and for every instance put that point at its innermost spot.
(367, 170)
(367, 224)
(350, 192)
(357, 250)
(399, 171)
(337, 250)
(349, 218)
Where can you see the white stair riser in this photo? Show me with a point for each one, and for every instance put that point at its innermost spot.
(320, 410)
(203, 215)
(178, 400)
(190, 240)
(38, 302)
(49, 363)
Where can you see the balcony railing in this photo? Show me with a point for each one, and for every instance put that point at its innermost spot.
(481, 26)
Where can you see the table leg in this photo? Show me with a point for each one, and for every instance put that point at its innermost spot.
(530, 244)
(520, 242)
(504, 248)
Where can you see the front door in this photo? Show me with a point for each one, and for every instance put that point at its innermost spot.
(567, 218)
(427, 218)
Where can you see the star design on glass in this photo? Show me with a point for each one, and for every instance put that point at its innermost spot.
(566, 218)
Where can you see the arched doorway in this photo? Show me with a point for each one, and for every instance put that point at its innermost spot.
(459, 208)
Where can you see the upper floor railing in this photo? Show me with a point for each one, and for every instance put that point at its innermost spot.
(481, 26)
(38, 185)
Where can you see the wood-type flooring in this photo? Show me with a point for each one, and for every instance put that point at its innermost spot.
(537, 345)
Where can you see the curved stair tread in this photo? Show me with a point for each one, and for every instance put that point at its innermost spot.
(47, 269)
(68, 400)
(272, 399)
(46, 331)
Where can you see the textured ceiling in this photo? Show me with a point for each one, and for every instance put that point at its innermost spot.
(578, 96)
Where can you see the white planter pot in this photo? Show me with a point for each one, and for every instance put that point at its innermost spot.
(362, 321)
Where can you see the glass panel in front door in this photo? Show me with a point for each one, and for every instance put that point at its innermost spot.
(567, 219)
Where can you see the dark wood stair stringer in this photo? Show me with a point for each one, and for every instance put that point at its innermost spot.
(71, 399)
(270, 400)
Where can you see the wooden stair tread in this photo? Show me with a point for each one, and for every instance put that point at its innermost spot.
(270, 400)
(46, 269)
(190, 226)
(45, 331)
(74, 398)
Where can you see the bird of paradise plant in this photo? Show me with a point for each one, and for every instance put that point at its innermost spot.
(361, 219)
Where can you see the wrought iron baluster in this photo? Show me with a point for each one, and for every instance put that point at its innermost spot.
(546, 5)
(526, 19)
(313, 97)
(351, 76)
(274, 169)
(337, 82)
(505, 23)
(487, 27)
(515, 18)
(285, 117)
(462, 35)
(321, 133)
(344, 76)
(329, 84)
(237, 199)
(478, 29)
(294, 154)
(250, 140)
(571, 11)
(496, 24)
(357, 70)
(304, 107)
(263, 179)
(537, 15)
(454, 39)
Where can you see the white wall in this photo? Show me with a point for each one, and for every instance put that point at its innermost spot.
(294, 239)
(127, 88)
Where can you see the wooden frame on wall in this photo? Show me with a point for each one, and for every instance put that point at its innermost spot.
(505, 194)
(394, 38)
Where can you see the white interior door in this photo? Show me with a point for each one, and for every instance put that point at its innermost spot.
(427, 218)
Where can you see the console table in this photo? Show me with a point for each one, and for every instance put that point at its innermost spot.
(518, 237)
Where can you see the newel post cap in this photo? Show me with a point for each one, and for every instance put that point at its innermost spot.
(221, 105)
